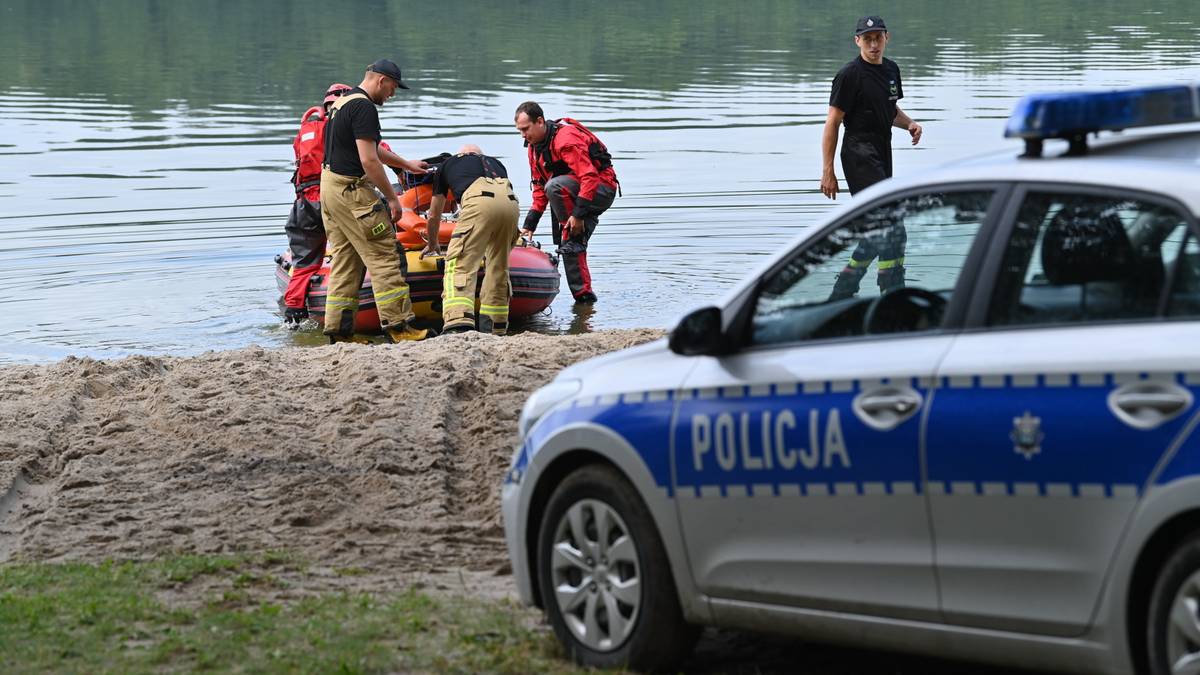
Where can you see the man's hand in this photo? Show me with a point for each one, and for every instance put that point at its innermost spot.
(829, 139)
(829, 184)
(572, 227)
(527, 235)
(432, 248)
(416, 166)
(394, 206)
(915, 130)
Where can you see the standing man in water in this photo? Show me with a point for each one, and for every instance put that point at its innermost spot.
(864, 99)
(572, 172)
(362, 233)
(305, 230)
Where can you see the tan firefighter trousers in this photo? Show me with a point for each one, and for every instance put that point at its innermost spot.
(361, 237)
(486, 232)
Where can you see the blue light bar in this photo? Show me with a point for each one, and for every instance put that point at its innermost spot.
(1072, 116)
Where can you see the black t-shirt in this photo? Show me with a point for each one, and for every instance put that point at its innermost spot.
(356, 119)
(458, 172)
(867, 93)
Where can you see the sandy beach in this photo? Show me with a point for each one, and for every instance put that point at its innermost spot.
(385, 459)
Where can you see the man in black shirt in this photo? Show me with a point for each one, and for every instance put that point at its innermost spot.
(486, 231)
(362, 234)
(864, 99)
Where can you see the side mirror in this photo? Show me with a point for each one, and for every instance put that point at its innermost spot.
(698, 334)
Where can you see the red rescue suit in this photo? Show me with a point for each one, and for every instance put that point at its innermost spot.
(568, 149)
(305, 229)
(576, 166)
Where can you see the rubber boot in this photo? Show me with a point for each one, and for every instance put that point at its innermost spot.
(294, 316)
(489, 325)
(890, 279)
(579, 277)
(847, 283)
(406, 333)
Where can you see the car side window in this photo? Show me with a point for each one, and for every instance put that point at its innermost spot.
(1184, 300)
(1079, 257)
(889, 270)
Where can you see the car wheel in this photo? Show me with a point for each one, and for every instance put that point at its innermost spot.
(604, 577)
(1174, 621)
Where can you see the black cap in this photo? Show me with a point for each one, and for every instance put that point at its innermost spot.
(867, 24)
(389, 68)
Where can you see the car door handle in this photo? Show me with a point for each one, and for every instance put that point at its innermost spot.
(898, 403)
(1146, 405)
(1165, 403)
(884, 408)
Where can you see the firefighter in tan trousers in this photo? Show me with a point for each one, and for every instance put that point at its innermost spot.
(362, 233)
(486, 232)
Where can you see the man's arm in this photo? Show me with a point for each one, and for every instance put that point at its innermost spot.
(829, 140)
(368, 154)
(433, 220)
(397, 162)
(539, 202)
(580, 163)
(903, 121)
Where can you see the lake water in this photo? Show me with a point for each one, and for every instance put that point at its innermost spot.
(145, 146)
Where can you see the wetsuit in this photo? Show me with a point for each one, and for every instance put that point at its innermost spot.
(867, 94)
(305, 229)
(572, 173)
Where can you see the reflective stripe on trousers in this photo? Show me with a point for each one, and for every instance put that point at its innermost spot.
(362, 239)
(486, 231)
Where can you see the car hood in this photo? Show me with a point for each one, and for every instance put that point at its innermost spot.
(648, 367)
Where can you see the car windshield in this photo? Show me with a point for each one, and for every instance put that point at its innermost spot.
(915, 246)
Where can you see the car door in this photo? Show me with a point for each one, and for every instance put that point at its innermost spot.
(795, 459)
(1050, 418)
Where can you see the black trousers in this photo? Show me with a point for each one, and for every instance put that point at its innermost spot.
(866, 160)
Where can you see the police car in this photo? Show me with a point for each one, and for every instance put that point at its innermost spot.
(986, 450)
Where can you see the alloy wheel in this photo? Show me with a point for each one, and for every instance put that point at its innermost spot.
(1183, 635)
(596, 576)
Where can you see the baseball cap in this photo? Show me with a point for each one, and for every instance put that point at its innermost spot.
(389, 68)
(866, 24)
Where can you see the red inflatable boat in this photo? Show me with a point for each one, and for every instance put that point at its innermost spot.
(532, 272)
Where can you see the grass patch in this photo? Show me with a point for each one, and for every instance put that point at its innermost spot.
(109, 618)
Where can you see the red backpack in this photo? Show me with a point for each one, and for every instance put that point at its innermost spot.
(309, 147)
(597, 151)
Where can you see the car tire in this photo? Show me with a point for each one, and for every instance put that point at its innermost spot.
(599, 555)
(1173, 625)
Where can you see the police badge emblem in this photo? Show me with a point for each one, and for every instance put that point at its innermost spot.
(1027, 435)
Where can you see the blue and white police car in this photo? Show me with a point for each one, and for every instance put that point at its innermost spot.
(957, 418)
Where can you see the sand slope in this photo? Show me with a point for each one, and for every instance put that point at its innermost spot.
(385, 458)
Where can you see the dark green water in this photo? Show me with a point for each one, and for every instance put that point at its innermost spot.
(145, 146)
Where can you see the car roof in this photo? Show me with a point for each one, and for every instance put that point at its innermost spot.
(1163, 163)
